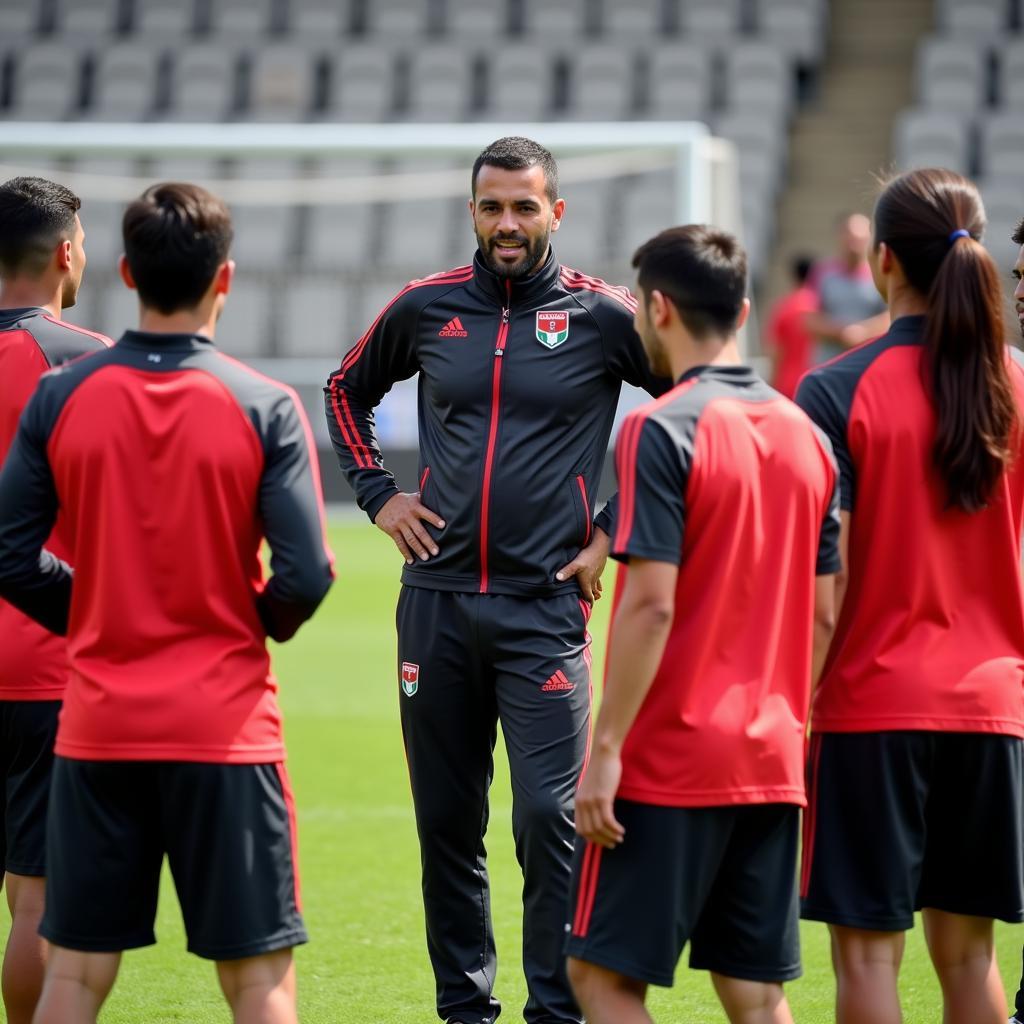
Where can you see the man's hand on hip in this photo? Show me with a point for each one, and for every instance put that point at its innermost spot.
(400, 518)
(587, 566)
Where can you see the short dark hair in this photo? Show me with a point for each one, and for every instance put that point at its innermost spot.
(703, 270)
(1018, 235)
(176, 235)
(801, 268)
(35, 215)
(515, 153)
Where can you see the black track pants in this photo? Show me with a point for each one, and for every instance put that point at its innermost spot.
(466, 661)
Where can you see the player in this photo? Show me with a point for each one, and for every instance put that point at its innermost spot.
(170, 462)
(689, 807)
(849, 311)
(42, 258)
(521, 362)
(917, 724)
(789, 342)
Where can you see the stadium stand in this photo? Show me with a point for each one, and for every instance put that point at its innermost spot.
(737, 64)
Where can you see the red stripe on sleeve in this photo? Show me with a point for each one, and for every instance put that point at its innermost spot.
(343, 426)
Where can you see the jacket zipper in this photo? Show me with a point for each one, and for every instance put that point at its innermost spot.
(492, 436)
(586, 507)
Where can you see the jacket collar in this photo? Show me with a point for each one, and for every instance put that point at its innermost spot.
(539, 283)
(14, 314)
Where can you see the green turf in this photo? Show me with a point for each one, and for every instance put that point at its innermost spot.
(366, 961)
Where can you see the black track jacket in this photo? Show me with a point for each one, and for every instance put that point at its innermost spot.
(519, 381)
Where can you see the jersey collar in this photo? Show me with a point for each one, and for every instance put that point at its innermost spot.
(165, 342)
(16, 313)
(539, 283)
(741, 375)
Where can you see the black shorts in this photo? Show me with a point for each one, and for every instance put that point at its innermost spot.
(229, 835)
(27, 731)
(903, 820)
(721, 878)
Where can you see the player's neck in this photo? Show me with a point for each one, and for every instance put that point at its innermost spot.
(21, 294)
(686, 356)
(905, 301)
(185, 321)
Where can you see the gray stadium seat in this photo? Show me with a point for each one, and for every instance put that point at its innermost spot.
(397, 19)
(362, 84)
(322, 20)
(984, 19)
(796, 27)
(47, 82)
(20, 20)
(602, 83)
(203, 83)
(315, 320)
(248, 324)
(710, 20)
(86, 19)
(758, 77)
(929, 139)
(282, 80)
(1011, 74)
(472, 20)
(241, 19)
(760, 142)
(1004, 207)
(952, 75)
(552, 25)
(440, 83)
(583, 238)
(678, 82)
(164, 20)
(520, 84)
(341, 237)
(638, 20)
(418, 236)
(1002, 145)
(125, 82)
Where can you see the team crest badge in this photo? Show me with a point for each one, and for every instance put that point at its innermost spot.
(552, 327)
(410, 678)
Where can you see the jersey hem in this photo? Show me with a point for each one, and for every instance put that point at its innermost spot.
(714, 798)
(197, 755)
(915, 723)
(471, 585)
(43, 693)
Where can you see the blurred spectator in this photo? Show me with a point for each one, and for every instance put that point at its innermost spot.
(789, 341)
(850, 310)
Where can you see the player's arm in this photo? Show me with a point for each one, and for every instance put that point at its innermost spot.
(384, 355)
(33, 580)
(652, 470)
(292, 513)
(635, 646)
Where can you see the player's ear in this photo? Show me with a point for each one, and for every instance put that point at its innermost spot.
(661, 309)
(744, 314)
(125, 271)
(223, 278)
(886, 258)
(557, 212)
(63, 254)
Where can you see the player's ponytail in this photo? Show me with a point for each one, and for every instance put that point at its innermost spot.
(933, 220)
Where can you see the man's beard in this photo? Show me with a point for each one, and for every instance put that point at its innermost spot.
(69, 293)
(532, 256)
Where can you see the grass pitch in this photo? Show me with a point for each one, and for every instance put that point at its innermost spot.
(366, 961)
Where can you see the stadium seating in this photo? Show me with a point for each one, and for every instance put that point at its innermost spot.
(732, 63)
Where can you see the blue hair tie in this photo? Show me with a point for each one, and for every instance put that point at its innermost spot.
(959, 233)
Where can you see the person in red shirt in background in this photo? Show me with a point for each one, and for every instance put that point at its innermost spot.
(729, 521)
(42, 258)
(790, 344)
(918, 723)
(171, 463)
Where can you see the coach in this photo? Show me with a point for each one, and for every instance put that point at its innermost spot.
(521, 363)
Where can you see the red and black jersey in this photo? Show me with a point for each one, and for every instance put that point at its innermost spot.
(171, 463)
(518, 386)
(931, 632)
(733, 483)
(33, 662)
